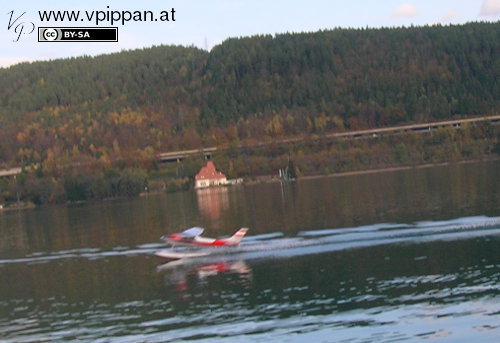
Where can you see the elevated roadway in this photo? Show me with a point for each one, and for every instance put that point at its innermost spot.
(177, 156)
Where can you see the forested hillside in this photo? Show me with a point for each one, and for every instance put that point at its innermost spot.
(378, 77)
(116, 111)
(130, 99)
(173, 97)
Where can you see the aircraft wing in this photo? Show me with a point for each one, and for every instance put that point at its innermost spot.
(192, 232)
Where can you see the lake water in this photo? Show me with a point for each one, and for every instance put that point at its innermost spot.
(404, 256)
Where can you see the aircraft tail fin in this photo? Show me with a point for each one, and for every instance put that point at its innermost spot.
(237, 237)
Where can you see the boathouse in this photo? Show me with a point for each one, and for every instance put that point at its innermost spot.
(208, 176)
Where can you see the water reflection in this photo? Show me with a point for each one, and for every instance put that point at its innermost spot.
(187, 276)
(14, 240)
(212, 202)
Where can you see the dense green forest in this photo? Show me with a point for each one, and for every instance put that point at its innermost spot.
(106, 117)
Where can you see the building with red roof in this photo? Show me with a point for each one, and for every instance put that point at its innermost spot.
(208, 176)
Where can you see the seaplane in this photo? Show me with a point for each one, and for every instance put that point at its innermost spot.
(193, 237)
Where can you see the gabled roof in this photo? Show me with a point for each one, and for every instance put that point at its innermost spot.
(209, 172)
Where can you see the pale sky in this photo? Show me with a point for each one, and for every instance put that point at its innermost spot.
(205, 23)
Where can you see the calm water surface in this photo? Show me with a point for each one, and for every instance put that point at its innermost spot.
(403, 256)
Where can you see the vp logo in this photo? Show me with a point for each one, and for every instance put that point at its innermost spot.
(20, 27)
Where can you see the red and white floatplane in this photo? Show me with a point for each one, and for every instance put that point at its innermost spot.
(192, 237)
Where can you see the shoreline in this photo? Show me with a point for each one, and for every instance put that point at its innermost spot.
(273, 178)
(408, 167)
